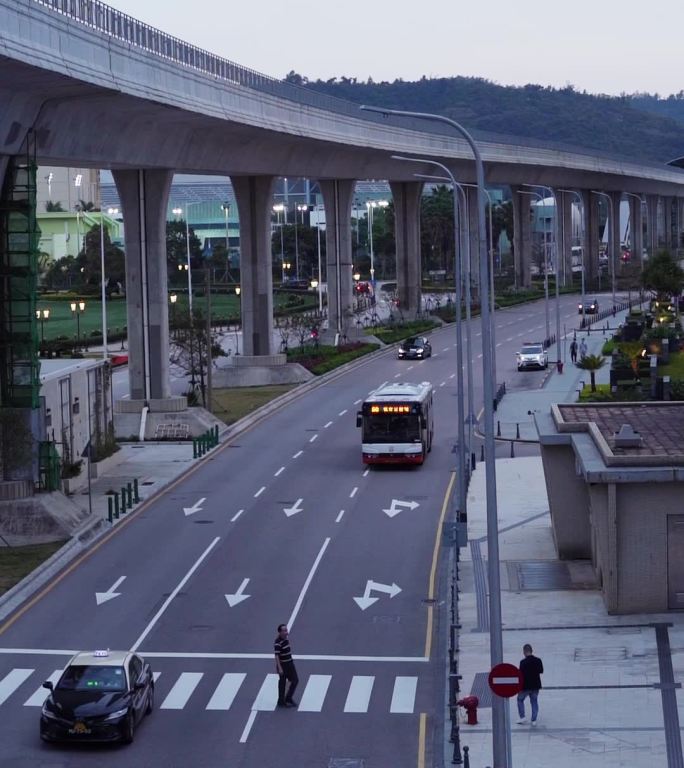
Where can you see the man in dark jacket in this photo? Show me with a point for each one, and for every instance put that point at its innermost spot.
(532, 669)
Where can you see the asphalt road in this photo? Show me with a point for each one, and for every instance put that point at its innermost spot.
(288, 516)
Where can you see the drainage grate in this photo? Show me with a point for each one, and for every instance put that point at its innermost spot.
(202, 522)
(481, 689)
(544, 575)
(346, 762)
(172, 430)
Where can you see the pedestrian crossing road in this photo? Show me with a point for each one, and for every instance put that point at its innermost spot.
(215, 691)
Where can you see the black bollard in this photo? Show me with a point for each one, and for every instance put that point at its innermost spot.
(482, 453)
(498, 428)
(512, 449)
(517, 431)
(466, 758)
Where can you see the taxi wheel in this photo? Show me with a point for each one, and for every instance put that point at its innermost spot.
(129, 729)
(150, 700)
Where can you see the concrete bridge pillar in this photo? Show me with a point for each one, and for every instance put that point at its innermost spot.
(590, 244)
(144, 198)
(522, 236)
(254, 196)
(614, 234)
(680, 222)
(406, 196)
(668, 220)
(564, 213)
(652, 224)
(337, 197)
(636, 229)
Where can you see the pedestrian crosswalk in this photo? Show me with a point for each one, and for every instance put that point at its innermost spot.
(218, 693)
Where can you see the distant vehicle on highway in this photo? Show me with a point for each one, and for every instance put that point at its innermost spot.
(397, 424)
(295, 284)
(590, 307)
(100, 696)
(414, 348)
(532, 355)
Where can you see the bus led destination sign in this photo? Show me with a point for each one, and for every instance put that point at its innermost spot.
(390, 409)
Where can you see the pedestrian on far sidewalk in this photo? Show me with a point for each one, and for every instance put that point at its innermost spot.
(573, 351)
(583, 349)
(285, 668)
(531, 669)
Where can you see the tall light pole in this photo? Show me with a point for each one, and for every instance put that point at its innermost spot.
(301, 208)
(280, 208)
(42, 315)
(611, 233)
(581, 207)
(238, 291)
(103, 290)
(188, 268)
(77, 309)
(642, 202)
(320, 278)
(540, 198)
(500, 714)
(225, 207)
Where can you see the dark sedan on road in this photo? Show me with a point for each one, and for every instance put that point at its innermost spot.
(590, 307)
(414, 348)
(101, 696)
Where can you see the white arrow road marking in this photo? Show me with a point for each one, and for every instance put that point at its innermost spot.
(196, 507)
(110, 594)
(396, 504)
(239, 596)
(289, 511)
(366, 600)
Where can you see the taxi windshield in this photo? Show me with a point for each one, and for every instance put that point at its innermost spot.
(532, 349)
(92, 678)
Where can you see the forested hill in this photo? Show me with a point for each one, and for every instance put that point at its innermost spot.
(639, 127)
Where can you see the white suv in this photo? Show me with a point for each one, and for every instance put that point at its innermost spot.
(532, 355)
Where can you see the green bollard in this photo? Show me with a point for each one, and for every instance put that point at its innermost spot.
(215, 434)
(123, 499)
(136, 495)
(195, 452)
(116, 506)
(129, 492)
(110, 509)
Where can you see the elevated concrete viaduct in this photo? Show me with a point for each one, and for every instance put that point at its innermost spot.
(93, 88)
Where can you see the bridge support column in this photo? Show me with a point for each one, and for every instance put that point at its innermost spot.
(406, 196)
(522, 236)
(590, 242)
(668, 220)
(636, 230)
(337, 197)
(652, 224)
(680, 223)
(254, 195)
(144, 198)
(564, 200)
(614, 234)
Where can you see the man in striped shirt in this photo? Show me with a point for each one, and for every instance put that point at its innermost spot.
(285, 668)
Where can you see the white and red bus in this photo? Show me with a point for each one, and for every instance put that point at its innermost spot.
(396, 424)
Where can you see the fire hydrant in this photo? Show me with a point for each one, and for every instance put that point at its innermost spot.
(469, 703)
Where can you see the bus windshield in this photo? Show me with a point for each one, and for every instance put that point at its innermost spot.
(391, 428)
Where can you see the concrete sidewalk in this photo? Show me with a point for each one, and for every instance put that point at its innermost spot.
(611, 688)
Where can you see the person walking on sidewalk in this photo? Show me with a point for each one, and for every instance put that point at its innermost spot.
(583, 349)
(532, 669)
(573, 351)
(285, 668)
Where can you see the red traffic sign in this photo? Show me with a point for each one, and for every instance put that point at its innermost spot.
(505, 680)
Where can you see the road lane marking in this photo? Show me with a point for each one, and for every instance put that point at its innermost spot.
(38, 698)
(452, 376)
(341, 413)
(339, 516)
(359, 693)
(168, 600)
(236, 515)
(421, 739)
(410, 368)
(267, 698)
(260, 491)
(356, 402)
(182, 690)
(298, 454)
(308, 581)
(325, 426)
(353, 493)
(397, 375)
(282, 469)
(226, 690)
(442, 384)
(314, 693)
(12, 680)
(248, 726)
(365, 474)
(314, 437)
(404, 695)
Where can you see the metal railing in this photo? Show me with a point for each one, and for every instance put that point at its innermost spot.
(103, 18)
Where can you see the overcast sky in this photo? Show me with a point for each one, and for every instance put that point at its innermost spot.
(602, 46)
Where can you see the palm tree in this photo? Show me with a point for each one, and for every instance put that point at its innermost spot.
(591, 363)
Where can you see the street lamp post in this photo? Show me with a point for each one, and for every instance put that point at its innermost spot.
(173, 298)
(301, 208)
(238, 290)
(42, 315)
(77, 309)
(581, 205)
(103, 289)
(611, 232)
(500, 714)
(320, 279)
(225, 207)
(547, 321)
(280, 208)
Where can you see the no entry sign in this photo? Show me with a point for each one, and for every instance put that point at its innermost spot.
(505, 680)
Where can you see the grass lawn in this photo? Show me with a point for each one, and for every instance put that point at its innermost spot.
(675, 368)
(230, 405)
(17, 562)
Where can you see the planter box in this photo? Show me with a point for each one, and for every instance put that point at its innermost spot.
(98, 468)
